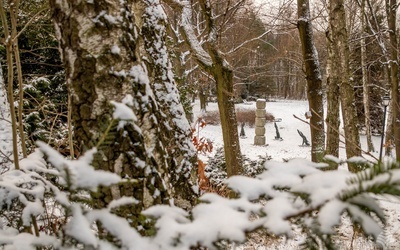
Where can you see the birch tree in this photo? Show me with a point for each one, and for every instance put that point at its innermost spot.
(114, 55)
(314, 81)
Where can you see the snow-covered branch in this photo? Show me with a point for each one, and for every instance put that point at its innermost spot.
(297, 189)
(248, 41)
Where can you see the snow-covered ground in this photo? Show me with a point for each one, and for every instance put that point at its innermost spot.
(290, 148)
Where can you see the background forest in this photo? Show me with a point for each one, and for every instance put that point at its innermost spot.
(105, 89)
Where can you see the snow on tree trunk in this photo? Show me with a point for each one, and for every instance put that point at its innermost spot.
(175, 129)
(215, 64)
(106, 59)
(314, 81)
(6, 141)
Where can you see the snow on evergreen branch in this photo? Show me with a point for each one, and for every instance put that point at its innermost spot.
(297, 189)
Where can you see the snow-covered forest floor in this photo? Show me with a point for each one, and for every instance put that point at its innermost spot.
(290, 148)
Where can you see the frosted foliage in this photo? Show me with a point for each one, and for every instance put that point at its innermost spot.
(369, 225)
(31, 209)
(79, 228)
(329, 215)
(79, 173)
(214, 219)
(122, 202)
(123, 112)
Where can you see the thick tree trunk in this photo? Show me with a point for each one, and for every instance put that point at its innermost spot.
(337, 28)
(391, 8)
(226, 106)
(314, 81)
(214, 63)
(174, 129)
(103, 45)
(333, 105)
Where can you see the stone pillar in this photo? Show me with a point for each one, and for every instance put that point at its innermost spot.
(259, 139)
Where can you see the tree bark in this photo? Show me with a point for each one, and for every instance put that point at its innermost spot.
(212, 61)
(333, 105)
(314, 81)
(10, 79)
(391, 8)
(108, 53)
(365, 80)
(223, 75)
(339, 40)
(181, 157)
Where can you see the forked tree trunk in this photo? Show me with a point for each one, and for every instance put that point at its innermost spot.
(339, 40)
(109, 54)
(215, 64)
(314, 81)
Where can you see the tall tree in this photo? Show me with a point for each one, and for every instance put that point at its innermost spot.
(391, 9)
(115, 51)
(333, 104)
(214, 62)
(365, 82)
(339, 67)
(314, 81)
(8, 42)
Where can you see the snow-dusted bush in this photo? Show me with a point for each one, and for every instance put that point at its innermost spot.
(293, 192)
(215, 170)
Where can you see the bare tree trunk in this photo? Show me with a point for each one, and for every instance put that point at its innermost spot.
(339, 39)
(174, 132)
(333, 105)
(104, 62)
(226, 106)
(391, 8)
(365, 80)
(379, 36)
(202, 99)
(314, 81)
(215, 64)
(10, 80)
(223, 76)
(13, 16)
